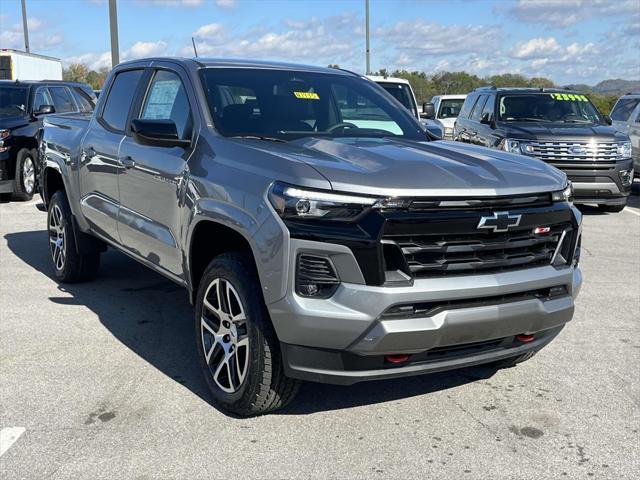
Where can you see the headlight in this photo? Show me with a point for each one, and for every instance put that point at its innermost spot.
(624, 149)
(565, 195)
(3, 135)
(512, 146)
(297, 203)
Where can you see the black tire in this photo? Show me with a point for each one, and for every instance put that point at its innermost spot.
(513, 361)
(611, 208)
(72, 267)
(264, 387)
(23, 190)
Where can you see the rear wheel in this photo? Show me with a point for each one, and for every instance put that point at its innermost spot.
(237, 346)
(69, 265)
(611, 208)
(25, 178)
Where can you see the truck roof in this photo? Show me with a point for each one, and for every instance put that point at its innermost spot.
(460, 96)
(381, 79)
(27, 54)
(241, 63)
(27, 83)
(526, 90)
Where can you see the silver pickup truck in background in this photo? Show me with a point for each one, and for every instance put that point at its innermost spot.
(320, 235)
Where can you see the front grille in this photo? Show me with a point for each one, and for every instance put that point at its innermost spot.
(567, 156)
(429, 255)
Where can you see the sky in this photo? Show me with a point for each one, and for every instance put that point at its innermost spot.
(569, 41)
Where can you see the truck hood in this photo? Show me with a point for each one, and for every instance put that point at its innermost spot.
(13, 121)
(562, 132)
(396, 167)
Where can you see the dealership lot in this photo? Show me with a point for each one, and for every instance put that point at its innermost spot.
(100, 380)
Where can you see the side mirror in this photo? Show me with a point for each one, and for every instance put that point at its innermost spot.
(45, 110)
(157, 133)
(607, 119)
(487, 119)
(428, 110)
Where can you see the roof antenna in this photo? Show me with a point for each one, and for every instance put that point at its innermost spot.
(195, 50)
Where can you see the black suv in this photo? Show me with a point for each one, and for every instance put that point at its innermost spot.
(561, 127)
(22, 106)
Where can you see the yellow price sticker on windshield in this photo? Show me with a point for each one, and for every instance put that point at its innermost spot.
(569, 96)
(307, 95)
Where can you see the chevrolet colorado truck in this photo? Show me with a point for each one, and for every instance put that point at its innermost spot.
(319, 234)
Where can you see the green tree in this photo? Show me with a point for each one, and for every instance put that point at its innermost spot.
(76, 72)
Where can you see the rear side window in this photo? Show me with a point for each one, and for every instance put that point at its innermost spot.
(167, 100)
(623, 109)
(116, 109)
(62, 100)
(467, 106)
(477, 109)
(84, 101)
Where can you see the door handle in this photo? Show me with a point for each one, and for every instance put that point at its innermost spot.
(127, 162)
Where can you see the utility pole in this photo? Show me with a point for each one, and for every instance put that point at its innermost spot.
(25, 28)
(368, 51)
(113, 25)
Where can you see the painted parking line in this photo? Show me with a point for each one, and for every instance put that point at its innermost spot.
(632, 210)
(8, 437)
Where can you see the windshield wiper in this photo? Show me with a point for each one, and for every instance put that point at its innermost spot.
(260, 137)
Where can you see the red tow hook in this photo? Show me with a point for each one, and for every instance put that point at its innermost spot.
(397, 358)
(525, 338)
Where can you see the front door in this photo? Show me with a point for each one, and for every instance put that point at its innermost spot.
(153, 177)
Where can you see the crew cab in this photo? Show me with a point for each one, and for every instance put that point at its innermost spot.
(23, 104)
(320, 235)
(560, 127)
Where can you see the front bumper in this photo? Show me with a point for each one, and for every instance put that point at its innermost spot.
(600, 186)
(316, 334)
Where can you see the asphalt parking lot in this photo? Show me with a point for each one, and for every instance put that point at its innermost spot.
(100, 380)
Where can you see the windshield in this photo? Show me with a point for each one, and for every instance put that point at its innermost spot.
(450, 108)
(286, 105)
(402, 93)
(548, 107)
(13, 100)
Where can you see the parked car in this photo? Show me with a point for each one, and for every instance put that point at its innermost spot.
(319, 234)
(443, 111)
(560, 127)
(626, 118)
(401, 90)
(22, 107)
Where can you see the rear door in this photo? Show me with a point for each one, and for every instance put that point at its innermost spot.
(151, 181)
(484, 131)
(463, 125)
(99, 160)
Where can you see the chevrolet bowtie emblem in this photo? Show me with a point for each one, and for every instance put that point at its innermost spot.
(500, 221)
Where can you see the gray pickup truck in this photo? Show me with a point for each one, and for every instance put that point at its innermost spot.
(320, 235)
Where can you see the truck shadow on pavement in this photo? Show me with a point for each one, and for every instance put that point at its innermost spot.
(152, 317)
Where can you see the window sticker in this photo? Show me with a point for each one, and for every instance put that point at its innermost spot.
(307, 95)
(569, 96)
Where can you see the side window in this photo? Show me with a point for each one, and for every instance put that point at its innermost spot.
(85, 103)
(467, 106)
(116, 109)
(62, 100)
(477, 109)
(488, 106)
(623, 109)
(41, 98)
(167, 100)
(637, 120)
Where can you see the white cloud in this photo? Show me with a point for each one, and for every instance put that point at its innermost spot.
(41, 36)
(226, 3)
(563, 13)
(171, 3)
(212, 32)
(536, 48)
(97, 61)
(430, 38)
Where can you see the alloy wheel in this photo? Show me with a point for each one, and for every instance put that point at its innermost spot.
(28, 175)
(225, 336)
(57, 237)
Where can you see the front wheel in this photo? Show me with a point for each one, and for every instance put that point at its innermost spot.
(25, 178)
(611, 208)
(69, 266)
(237, 347)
